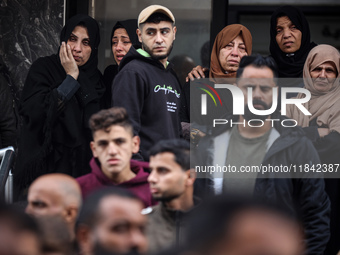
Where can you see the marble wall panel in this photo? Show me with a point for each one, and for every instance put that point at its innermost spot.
(29, 29)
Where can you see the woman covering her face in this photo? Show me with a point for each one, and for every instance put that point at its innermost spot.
(289, 41)
(56, 105)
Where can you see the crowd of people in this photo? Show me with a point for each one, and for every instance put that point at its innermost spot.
(107, 164)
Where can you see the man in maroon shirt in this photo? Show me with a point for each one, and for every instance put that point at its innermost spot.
(112, 147)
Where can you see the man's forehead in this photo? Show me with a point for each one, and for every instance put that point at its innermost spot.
(114, 131)
(257, 81)
(45, 196)
(160, 25)
(166, 157)
(116, 207)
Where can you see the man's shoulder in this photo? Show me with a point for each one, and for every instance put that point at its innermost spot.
(136, 64)
(151, 211)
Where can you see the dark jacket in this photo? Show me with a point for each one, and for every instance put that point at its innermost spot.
(328, 148)
(56, 108)
(8, 118)
(110, 73)
(304, 193)
(151, 95)
(166, 227)
(138, 185)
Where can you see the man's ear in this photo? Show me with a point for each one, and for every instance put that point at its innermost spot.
(83, 235)
(174, 30)
(71, 213)
(93, 148)
(139, 34)
(135, 143)
(191, 177)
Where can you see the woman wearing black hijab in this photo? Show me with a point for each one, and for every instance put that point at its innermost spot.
(60, 94)
(123, 36)
(289, 41)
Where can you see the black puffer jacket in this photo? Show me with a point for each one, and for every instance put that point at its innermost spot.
(304, 193)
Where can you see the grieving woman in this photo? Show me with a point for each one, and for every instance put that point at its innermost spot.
(321, 75)
(289, 41)
(231, 44)
(60, 94)
(123, 36)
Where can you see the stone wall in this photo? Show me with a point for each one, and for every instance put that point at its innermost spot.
(29, 29)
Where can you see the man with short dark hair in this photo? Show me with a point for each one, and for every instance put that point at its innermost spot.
(146, 84)
(172, 183)
(262, 141)
(110, 222)
(112, 147)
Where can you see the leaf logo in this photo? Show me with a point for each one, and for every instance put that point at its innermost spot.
(210, 94)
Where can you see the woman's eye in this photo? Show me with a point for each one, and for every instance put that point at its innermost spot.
(242, 49)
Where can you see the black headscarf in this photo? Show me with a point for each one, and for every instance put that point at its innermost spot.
(130, 26)
(89, 70)
(290, 67)
(111, 71)
(55, 136)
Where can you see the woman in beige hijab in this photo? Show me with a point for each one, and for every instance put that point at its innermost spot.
(321, 75)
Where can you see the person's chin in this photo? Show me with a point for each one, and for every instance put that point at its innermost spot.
(322, 88)
(114, 169)
(231, 69)
(289, 50)
(159, 56)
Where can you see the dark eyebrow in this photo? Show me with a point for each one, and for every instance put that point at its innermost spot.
(151, 29)
(114, 37)
(73, 35)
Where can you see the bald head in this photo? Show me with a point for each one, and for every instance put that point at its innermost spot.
(55, 194)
